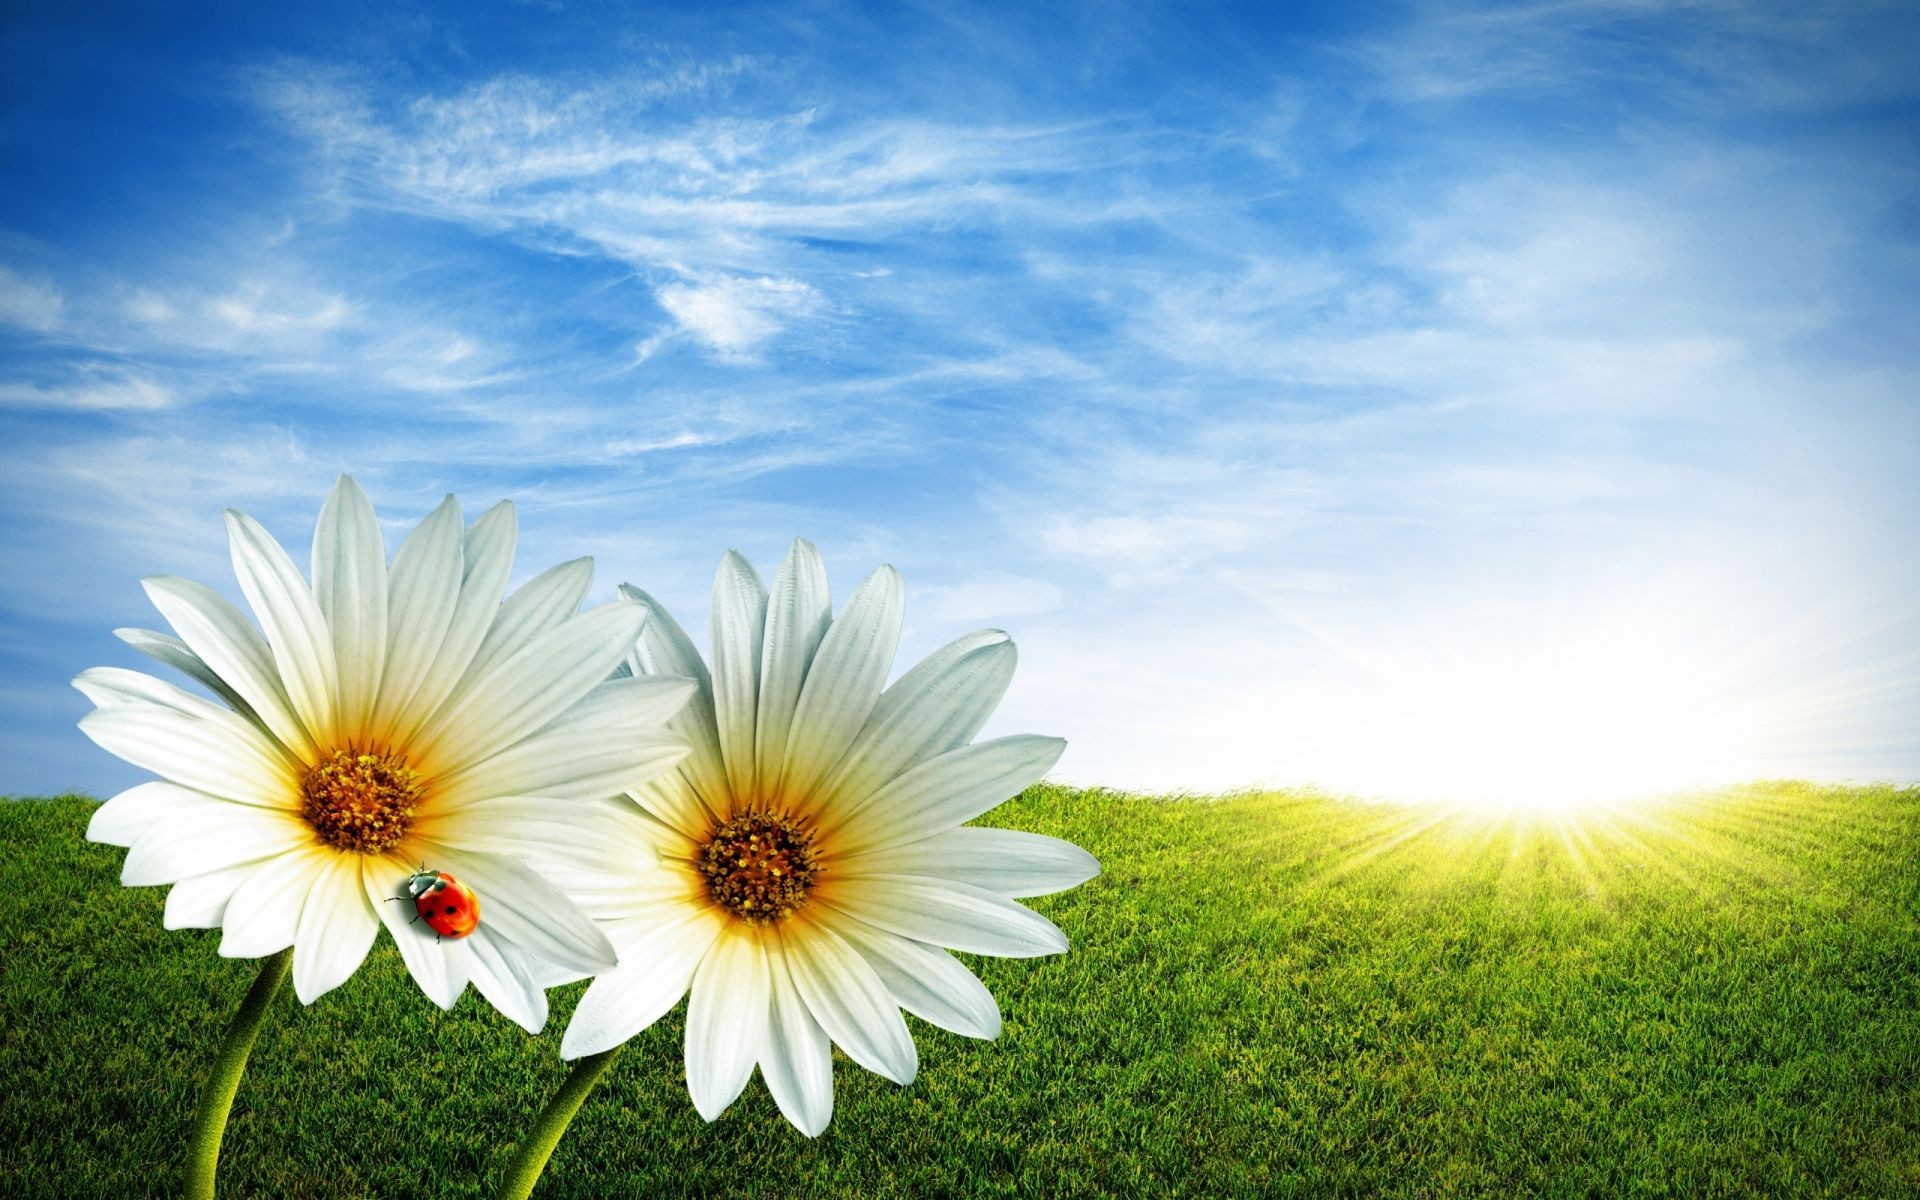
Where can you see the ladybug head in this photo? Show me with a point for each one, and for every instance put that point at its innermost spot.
(420, 881)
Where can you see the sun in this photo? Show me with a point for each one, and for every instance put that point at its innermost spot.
(1595, 707)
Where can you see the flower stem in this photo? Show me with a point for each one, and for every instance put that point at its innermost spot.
(210, 1123)
(537, 1146)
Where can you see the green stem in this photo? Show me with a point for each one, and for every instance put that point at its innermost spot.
(203, 1158)
(551, 1126)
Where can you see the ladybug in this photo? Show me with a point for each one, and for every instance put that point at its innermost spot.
(448, 906)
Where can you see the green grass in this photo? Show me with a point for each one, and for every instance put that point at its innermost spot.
(1272, 995)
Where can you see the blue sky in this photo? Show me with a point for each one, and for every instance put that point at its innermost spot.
(1394, 397)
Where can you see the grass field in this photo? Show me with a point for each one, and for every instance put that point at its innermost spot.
(1272, 995)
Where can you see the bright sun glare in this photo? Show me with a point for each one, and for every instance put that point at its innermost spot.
(1551, 710)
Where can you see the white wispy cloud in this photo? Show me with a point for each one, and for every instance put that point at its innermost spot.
(28, 301)
(101, 393)
(733, 316)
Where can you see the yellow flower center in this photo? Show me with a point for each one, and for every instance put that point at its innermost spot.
(759, 867)
(357, 802)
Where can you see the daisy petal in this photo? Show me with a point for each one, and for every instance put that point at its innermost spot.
(534, 686)
(439, 967)
(518, 903)
(798, 1060)
(610, 742)
(798, 613)
(233, 650)
(943, 913)
(423, 585)
(654, 972)
(927, 981)
(264, 912)
(629, 705)
(739, 627)
(121, 820)
(165, 648)
(726, 1021)
(665, 649)
(112, 687)
(290, 617)
(230, 761)
(487, 555)
(849, 1000)
(501, 973)
(542, 828)
(567, 764)
(537, 606)
(350, 584)
(843, 684)
(201, 902)
(1005, 861)
(944, 792)
(935, 707)
(209, 835)
(336, 929)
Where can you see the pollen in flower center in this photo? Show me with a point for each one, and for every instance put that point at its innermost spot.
(359, 802)
(759, 867)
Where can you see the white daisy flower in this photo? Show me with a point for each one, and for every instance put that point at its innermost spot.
(813, 871)
(382, 722)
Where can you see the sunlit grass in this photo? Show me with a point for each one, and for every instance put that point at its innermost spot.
(1279, 994)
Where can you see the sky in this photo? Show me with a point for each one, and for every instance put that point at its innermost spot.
(1392, 398)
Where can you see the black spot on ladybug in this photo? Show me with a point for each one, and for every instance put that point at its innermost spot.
(452, 909)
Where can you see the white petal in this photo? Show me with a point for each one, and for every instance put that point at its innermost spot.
(672, 801)
(503, 974)
(927, 981)
(739, 627)
(336, 929)
(264, 912)
(844, 682)
(531, 688)
(121, 820)
(350, 585)
(439, 967)
(227, 760)
(537, 606)
(290, 617)
(935, 707)
(233, 649)
(423, 585)
(110, 687)
(849, 1000)
(726, 1021)
(630, 706)
(798, 1061)
(610, 742)
(487, 555)
(942, 793)
(944, 913)
(655, 969)
(665, 649)
(201, 902)
(1004, 861)
(568, 765)
(166, 648)
(210, 835)
(798, 613)
(520, 905)
(550, 832)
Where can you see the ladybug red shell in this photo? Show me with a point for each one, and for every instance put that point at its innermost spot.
(448, 906)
